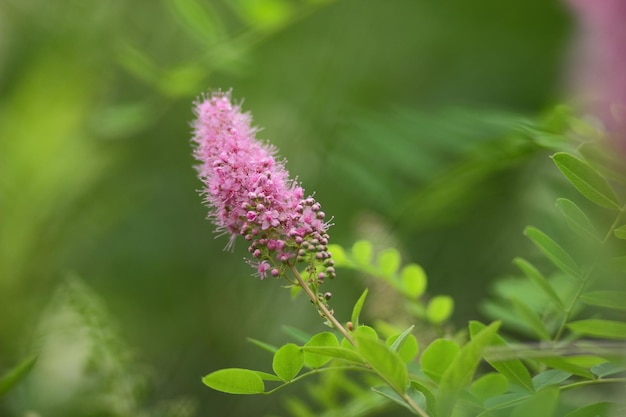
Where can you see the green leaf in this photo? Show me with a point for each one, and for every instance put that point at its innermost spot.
(489, 385)
(459, 373)
(267, 377)
(362, 252)
(358, 306)
(599, 328)
(297, 334)
(535, 276)
(405, 344)
(235, 381)
(564, 364)
(543, 403)
(513, 369)
(608, 299)
(415, 395)
(593, 410)
(608, 368)
(576, 219)
(335, 352)
(531, 319)
(437, 358)
(314, 360)
(550, 377)
(619, 263)
(439, 309)
(413, 280)
(387, 363)
(12, 377)
(199, 18)
(263, 345)
(339, 255)
(586, 180)
(504, 401)
(430, 397)
(620, 232)
(388, 262)
(288, 361)
(553, 251)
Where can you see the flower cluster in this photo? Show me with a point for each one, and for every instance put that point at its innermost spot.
(250, 194)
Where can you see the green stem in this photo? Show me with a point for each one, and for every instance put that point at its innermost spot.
(585, 279)
(593, 382)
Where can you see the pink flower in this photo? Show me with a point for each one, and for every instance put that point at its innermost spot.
(249, 193)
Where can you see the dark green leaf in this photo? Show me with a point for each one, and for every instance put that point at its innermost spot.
(314, 360)
(586, 180)
(489, 386)
(16, 374)
(593, 410)
(610, 299)
(535, 276)
(358, 306)
(439, 309)
(543, 403)
(417, 397)
(620, 232)
(437, 358)
(599, 328)
(388, 262)
(459, 373)
(387, 363)
(288, 361)
(235, 381)
(550, 377)
(553, 251)
(413, 280)
(513, 369)
(577, 220)
(531, 319)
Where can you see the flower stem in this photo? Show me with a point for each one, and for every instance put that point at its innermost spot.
(320, 306)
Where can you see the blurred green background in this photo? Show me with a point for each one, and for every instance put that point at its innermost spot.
(398, 114)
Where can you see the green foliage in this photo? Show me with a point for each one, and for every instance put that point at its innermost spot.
(235, 381)
(13, 376)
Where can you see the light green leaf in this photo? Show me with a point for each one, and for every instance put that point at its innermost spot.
(599, 328)
(387, 363)
(314, 360)
(513, 369)
(235, 381)
(439, 309)
(405, 344)
(339, 255)
(577, 220)
(437, 358)
(543, 403)
(413, 280)
(358, 306)
(459, 373)
(504, 401)
(608, 299)
(362, 252)
(12, 377)
(586, 180)
(288, 361)
(388, 262)
(489, 385)
(553, 251)
(592, 410)
(620, 232)
(367, 331)
(417, 397)
(531, 319)
(564, 364)
(535, 276)
(343, 353)
(550, 377)
(267, 377)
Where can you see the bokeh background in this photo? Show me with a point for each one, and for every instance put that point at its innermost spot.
(398, 114)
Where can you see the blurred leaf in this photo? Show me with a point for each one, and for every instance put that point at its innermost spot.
(405, 344)
(314, 360)
(439, 309)
(564, 364)
(184, 80)
(299, 335)
(600, 155)
(593, 410)
(553, 251)
(264, 14)
(358, 306)
(599, 328)
(288, 361)
(413, 280)
(437, 357)
(335, 352)
(513, 369)
(138, 63)
(339, 255)
(577, 220)
(263, 345)
(388, 262)
(384, 361)
(505, 401)
(459, 373)
(362, 252)
(608, 368)
(534, 275)
(542, 403)
(586, 180)
(199, 18)
(608, 299)
(550, 377)
(620, 232)
(415, 395)
(12, 377)
(531, 319)
(235, 381)
(489, 386)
